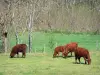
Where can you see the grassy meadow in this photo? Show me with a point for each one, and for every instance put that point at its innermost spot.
(40, 63)
(44, 64)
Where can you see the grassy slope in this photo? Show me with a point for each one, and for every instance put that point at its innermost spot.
(44, 64)
(40, 38)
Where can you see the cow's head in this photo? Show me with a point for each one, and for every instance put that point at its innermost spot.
(89, 61)
(65, 52)
(12, 55)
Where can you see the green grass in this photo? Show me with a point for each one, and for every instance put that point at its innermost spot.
(50, 39)
(44, 64)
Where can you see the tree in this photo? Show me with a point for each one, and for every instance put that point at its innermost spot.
(4, 23)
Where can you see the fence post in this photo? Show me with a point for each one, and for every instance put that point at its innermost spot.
(35, 50)
(97, 45)
(44, 49)
(56, 44)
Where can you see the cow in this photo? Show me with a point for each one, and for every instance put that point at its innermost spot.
(18, 48)
(82, 52)
(69, 48)
(57, 50)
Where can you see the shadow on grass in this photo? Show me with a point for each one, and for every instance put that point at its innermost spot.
(79, 63)
(17, 57)
(63, 57)
(70, 56)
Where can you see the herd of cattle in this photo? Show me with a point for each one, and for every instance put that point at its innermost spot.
(73, 47)
(66, 49)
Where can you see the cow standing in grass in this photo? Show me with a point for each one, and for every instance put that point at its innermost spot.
(58, 49)
(82, 52)
(18, 48)
(69, 48)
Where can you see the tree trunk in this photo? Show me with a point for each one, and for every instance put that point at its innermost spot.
(29, 37)
(29, 32)
(5, 39)
(5, 42)
(17, 40)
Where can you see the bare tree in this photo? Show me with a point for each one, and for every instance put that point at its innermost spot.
(32, 9)
(13, 22)
(30, 23)
(4, 22)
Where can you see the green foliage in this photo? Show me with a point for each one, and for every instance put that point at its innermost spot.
(51, 42)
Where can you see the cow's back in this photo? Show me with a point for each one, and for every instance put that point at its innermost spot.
(22, 47)
(72, 46)
(19, 48)
(81, 52)
(59, 49)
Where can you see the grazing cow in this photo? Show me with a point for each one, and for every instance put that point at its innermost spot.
(57, 50)
(71, 47)
(18, 48)
(82, 52)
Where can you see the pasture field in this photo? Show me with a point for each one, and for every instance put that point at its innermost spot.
(44, 64)
(51, 40)
(40, 63)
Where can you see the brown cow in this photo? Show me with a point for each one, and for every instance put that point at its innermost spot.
(18, 48)
(71, 47)
(82, 52)
(57, 50)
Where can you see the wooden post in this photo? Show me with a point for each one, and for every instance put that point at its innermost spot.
(56, 44)
(97, 45)
(44, 49)
(35, 50)
(29, 43)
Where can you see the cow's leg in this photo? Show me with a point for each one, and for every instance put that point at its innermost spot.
(17, 55)
(84, 59)
(71, 53)
(75, 59)
(58, 53)
(63, 54)
(79, 59)
(23, 54)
